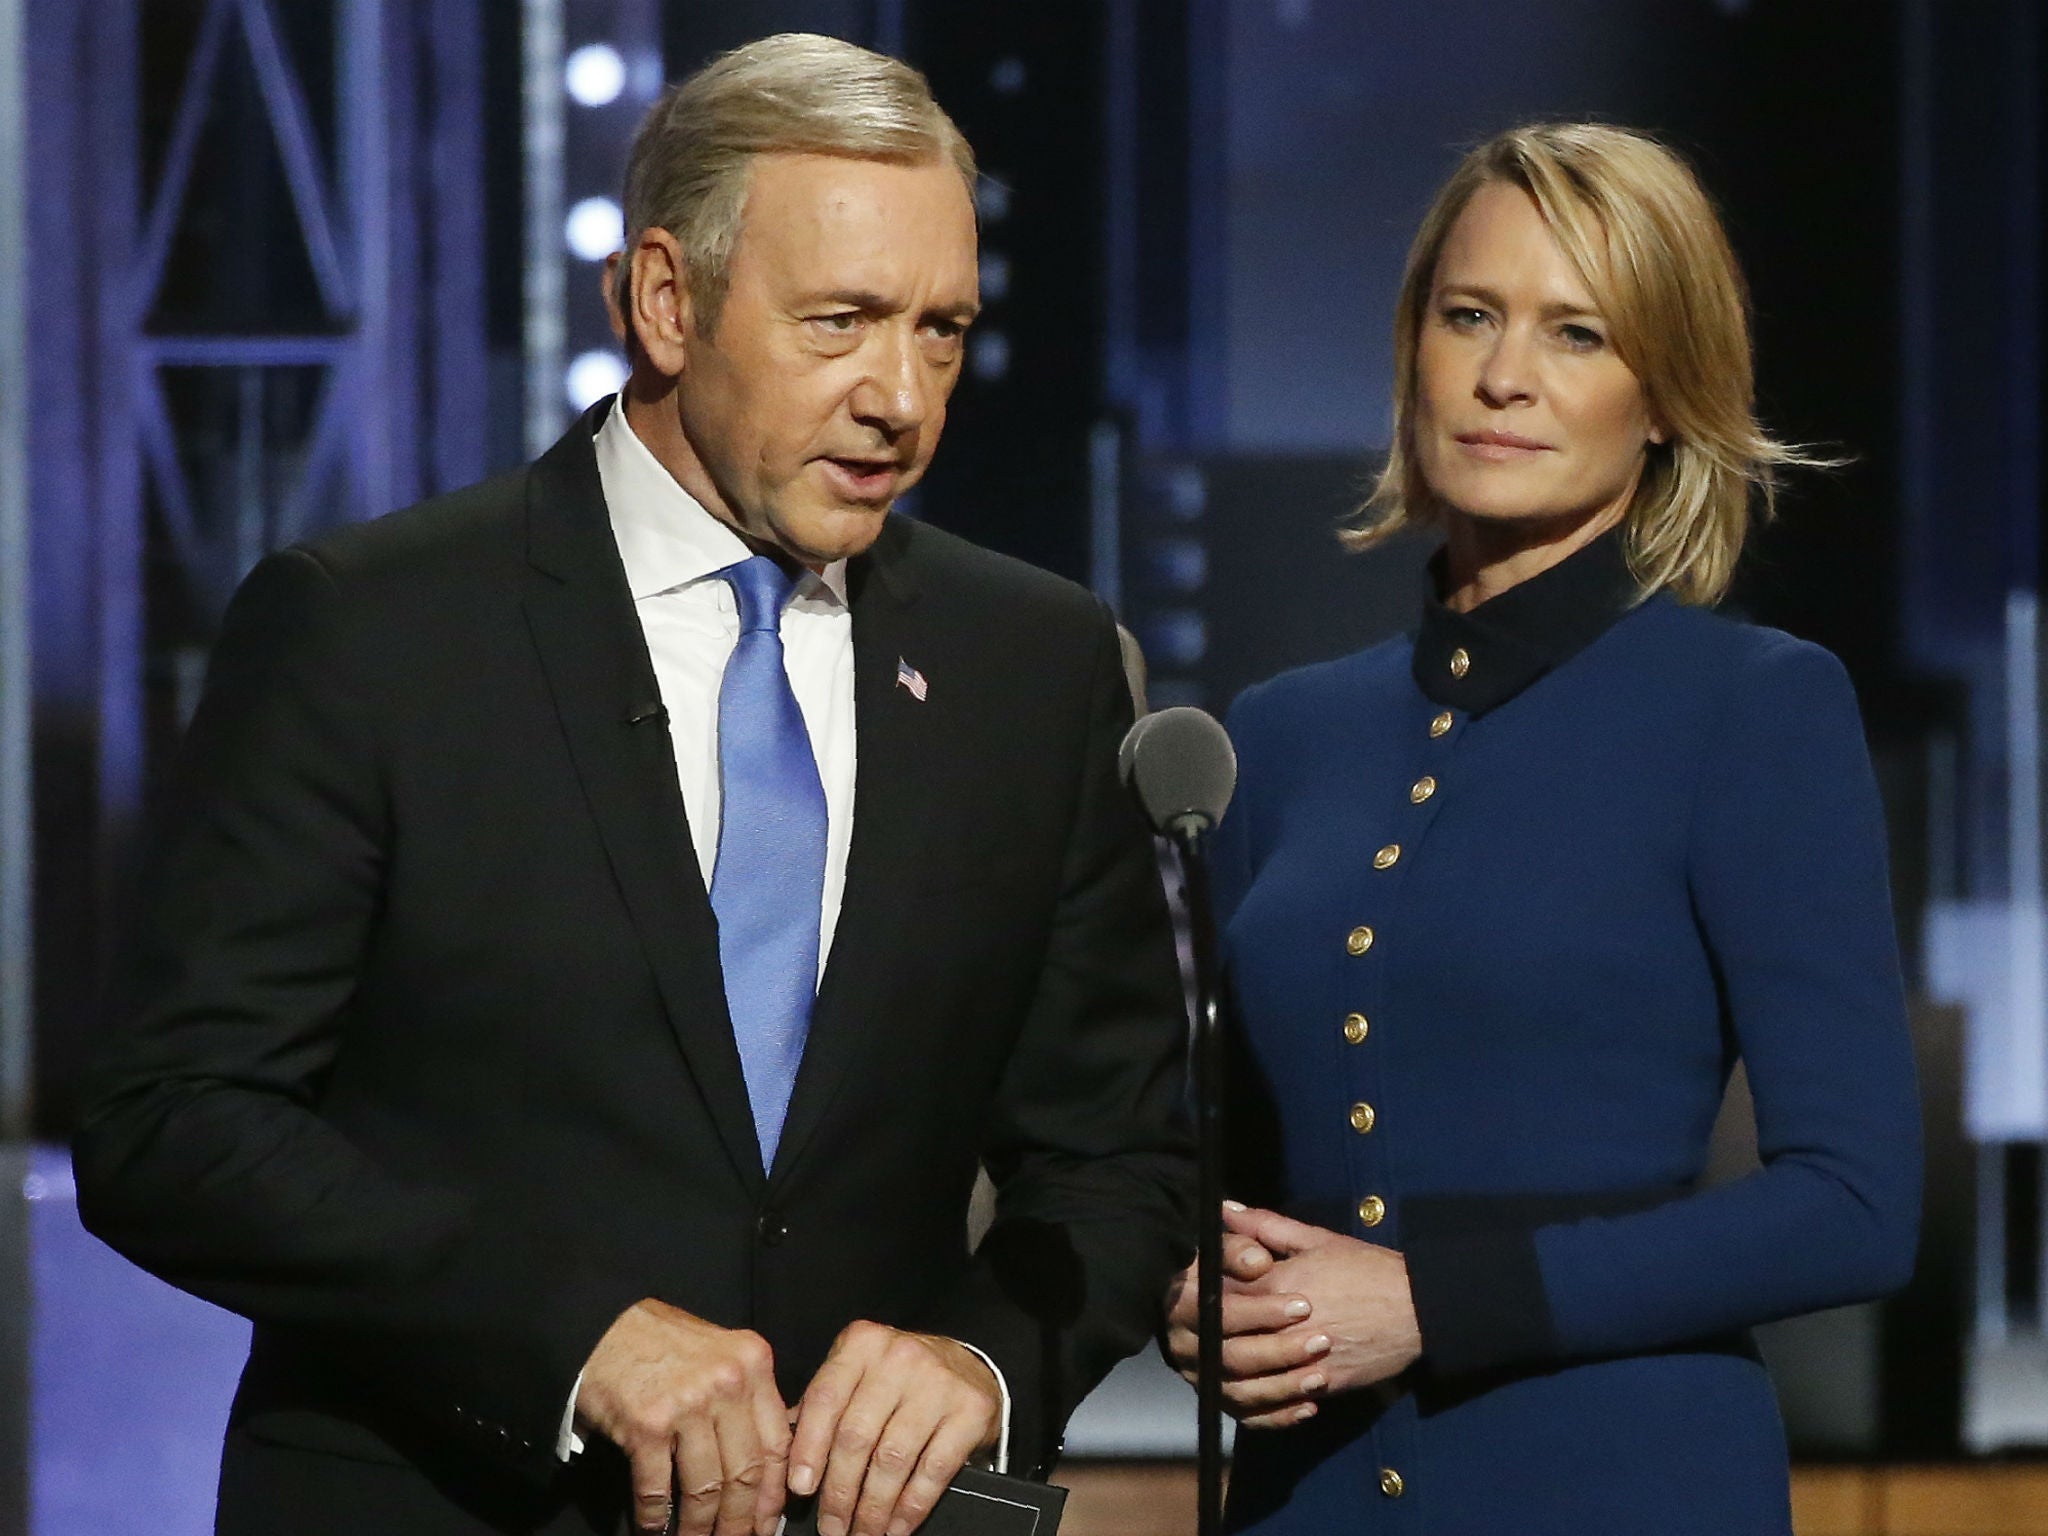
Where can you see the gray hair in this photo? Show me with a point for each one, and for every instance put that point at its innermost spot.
(794, 93)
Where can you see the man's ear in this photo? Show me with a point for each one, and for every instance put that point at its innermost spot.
(659, 307)
(612, 312)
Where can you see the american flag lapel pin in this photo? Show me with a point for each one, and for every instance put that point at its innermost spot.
(912, 680)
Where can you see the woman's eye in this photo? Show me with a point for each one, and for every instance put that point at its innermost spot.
(1581, 338)
(1463, 317)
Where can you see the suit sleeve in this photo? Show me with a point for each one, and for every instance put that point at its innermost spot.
(1089, 1151)
(203, 1155)
(1786, 865)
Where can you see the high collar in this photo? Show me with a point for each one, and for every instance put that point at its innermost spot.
(666, 537)
(1476, 661)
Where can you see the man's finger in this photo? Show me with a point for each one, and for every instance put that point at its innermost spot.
(945, 1454)
(699, 1475)
(741, 1469)
(853, 1444)
(817, 1421)
(654, 1481)
(894, 1461)
(771, 1423)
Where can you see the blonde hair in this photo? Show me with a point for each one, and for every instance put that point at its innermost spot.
(794, 93)
(1634, 222)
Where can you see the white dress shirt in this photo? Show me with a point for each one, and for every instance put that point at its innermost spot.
(672, 550)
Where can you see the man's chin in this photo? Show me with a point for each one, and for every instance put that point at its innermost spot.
(838, 534)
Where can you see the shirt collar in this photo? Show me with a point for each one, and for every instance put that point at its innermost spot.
(1478, 660)
(665, 536)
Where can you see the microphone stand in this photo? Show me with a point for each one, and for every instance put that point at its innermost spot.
(1187, 833)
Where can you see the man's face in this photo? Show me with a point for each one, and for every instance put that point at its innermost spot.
(818, 398)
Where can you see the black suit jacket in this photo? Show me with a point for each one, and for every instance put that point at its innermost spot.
(424, 1061)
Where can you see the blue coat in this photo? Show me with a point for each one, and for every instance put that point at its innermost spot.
(1533, 943)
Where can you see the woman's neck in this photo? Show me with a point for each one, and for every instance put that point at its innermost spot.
(1483, 557)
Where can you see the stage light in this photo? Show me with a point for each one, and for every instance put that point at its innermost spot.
(995, 276)
(595, 228)
(988, 354)
(594, 75)
(992, 199)
(592, 376)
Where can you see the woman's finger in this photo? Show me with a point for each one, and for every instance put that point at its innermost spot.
(1244, 1258)
(1260, 1394)
(1262, 1354)
(1279, 1418)
(1279, 1235)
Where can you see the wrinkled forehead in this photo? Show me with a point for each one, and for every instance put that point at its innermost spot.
(839, 220)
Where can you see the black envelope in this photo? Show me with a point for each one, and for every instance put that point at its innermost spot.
(977, 1504)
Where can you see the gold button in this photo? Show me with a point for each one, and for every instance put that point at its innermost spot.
(1362, 1118)
(1422, 789)
(1358, 941)
(1372, 1210)
(1356, 1028)
(1391, 1484)
(1461, 663)
(1440, 724)
(1387, 857)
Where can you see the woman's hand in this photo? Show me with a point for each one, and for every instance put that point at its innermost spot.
(1361, 1328)
(1260, 1338)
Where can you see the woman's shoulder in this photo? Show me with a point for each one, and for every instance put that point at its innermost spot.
(1748, 671)
(1304, 695)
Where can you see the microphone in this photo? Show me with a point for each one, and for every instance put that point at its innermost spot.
(1181, 766)
(646, 710)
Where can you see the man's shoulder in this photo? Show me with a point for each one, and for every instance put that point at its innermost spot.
(996, 585)
(461, 534)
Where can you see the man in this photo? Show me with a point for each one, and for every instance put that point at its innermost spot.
(606, 914)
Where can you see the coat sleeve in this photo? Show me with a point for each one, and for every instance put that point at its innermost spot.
(1786, 864)
(1089, 1149)
(203, 1155)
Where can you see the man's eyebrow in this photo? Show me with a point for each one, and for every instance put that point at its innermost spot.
(1556, 309)
(856, 298)
(875, 304)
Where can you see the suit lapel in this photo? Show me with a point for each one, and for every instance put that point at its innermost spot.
(594, 655)
(895, 736)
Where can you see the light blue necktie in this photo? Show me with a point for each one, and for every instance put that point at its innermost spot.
(769, 882)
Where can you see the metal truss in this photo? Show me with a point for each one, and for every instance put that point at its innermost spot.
(169, 453)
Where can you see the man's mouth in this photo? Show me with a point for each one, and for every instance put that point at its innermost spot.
(870, 480)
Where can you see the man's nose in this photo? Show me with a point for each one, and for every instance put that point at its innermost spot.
(894, 392)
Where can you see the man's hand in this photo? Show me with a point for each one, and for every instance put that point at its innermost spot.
(694, 1407)
(884, 1426)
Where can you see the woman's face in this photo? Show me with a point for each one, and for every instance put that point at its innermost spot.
(1523, 410)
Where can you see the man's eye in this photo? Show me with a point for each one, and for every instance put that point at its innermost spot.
(843, 323)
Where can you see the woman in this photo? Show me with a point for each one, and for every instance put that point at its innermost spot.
(1503, 902)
